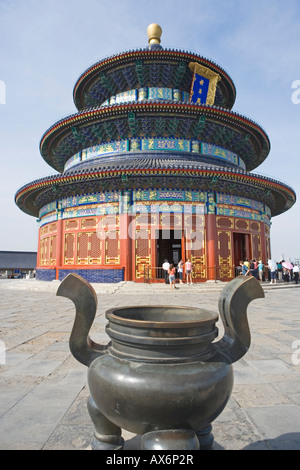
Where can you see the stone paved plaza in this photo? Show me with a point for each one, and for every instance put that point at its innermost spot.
(43, 389)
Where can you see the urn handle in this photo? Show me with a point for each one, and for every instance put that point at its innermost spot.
(233, 303)
(77, 289)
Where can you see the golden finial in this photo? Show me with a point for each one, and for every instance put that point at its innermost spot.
(154, 32)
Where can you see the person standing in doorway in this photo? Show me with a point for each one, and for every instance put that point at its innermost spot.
(245, 268)
(171, 272)
(188, 271)
(247, 263)
(165, 267)
(255, 268)
(180, 270)
(261, 271)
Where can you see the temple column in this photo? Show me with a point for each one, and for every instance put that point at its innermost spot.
(263, 254)
(211, 237)
(38, 256)
(125, 203)
(211, 246)
(125, 246)
(59, 247)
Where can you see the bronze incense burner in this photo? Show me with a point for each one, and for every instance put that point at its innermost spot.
(161, 376)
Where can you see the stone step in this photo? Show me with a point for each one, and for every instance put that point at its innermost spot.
(132, 288)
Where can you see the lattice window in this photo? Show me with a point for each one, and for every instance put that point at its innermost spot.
(112, 247)
(143, 219)
(53, 228)
(198, 246)
(198, 222)
(142, 252)
(71, 224)
(95, 249)
(45, 252)
(255, 226)
(242, 224)
(267, 241)
(256, 247)
(110, 221)
(154, 219)
(69, 248)
(88, 223)
(82, 248)
(177, 221)
(198, 256)
(225, 222)
(42, 251)
(268, 248)
(167, 220)
(224, 249)
(267, 230)
(142, 243)
(188, 222)
(53, 242)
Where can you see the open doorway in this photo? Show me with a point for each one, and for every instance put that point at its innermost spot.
(241, 247)
(169, 247)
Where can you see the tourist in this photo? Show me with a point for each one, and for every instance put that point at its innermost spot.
(255, 268)
(286, 275)
(292, 272)
(245, 268)
(188, 271)
(279, 271)
(171, 272)
(238, 269)
(261, 271)
(273, 271)
(296, 273)
(241, 267)
(165, 267)
(180, 270)
(251, 262)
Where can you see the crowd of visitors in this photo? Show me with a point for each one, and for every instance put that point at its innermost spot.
(271, 271)
(170, 272)
(263, 272)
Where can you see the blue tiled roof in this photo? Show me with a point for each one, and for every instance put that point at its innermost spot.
(17, 259)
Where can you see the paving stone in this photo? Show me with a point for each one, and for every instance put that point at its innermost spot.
(270, 367)
(258, 395)
(245, 374)
(33, 367)
(66, 437)
(280, 425)
(43, 389)
(35, 416)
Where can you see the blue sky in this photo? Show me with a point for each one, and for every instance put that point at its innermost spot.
(47, 44)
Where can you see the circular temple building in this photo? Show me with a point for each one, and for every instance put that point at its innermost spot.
(154, 165)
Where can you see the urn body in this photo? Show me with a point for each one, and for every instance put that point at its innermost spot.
(159, 370)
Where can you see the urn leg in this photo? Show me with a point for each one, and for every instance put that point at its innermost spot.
(107, 435)
(170, 439)
(205, 438)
